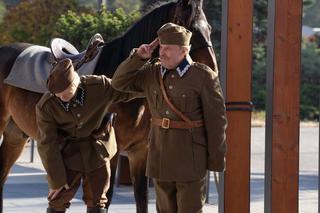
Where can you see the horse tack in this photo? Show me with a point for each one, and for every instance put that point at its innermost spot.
(62, 49)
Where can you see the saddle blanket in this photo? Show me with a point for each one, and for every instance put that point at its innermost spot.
(32, 68)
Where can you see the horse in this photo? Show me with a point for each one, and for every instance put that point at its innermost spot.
(17, 106)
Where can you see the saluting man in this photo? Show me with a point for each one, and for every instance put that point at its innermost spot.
(188, 118)
(74, 141)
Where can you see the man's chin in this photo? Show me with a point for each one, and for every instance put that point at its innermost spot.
(65, 99)
(164, 65)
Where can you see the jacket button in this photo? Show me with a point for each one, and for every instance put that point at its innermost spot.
(183, 95)
(74, 105)
(170, 87)
(167, 112)
(172, 76)
(78, 115)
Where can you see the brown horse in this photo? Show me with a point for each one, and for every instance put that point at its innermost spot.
(17, 106)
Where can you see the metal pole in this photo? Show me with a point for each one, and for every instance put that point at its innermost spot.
(32, 151)
(269, 104)
(208, 186)
(223, 79)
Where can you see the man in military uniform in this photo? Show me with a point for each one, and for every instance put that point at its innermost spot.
(74, 141)
(188, 118)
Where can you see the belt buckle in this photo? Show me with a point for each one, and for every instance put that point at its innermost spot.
(165, 123)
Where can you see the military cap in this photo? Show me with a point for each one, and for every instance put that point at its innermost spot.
(174, 34)
(61, 76)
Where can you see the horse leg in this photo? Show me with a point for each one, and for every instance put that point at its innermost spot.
(113, 167)
(137, 156)
(13, 142)
(3, 123)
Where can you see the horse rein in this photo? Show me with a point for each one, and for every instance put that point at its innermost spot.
(207, 44)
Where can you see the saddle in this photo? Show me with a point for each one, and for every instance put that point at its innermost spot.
(62, 49)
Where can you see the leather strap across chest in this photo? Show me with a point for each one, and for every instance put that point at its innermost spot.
(166, 123)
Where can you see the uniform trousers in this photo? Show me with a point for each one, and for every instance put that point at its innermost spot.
(180, 197)
(95, 185)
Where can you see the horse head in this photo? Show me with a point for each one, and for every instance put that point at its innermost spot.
(189, 13)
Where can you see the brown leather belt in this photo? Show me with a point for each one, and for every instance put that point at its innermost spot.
(166, 123)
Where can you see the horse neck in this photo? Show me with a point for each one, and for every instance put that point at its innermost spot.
(142, 32)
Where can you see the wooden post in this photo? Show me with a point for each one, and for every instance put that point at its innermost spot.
(236, 73)
(282, 122)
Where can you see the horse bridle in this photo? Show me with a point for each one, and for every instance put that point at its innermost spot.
(206, 44)
(181, 18)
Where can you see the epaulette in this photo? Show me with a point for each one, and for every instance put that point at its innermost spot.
(205, 68)
(46, 96)
(202, 66)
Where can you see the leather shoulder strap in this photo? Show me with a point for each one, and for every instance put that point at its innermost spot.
(173, 108)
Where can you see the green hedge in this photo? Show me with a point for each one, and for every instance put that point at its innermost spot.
(78, 29)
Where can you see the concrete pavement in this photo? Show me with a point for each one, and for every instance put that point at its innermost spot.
(26, 188)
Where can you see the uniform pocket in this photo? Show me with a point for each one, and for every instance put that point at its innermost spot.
(107, 148)
(186, 100)
(157, 98)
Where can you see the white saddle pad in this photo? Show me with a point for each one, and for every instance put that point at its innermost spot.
(32, 68)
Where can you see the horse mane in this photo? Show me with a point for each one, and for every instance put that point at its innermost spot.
(143, 31)
(150, 7)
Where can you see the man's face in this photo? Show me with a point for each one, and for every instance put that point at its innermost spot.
(171, 55)
(68, 93)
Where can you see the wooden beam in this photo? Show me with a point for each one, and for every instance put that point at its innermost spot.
(283, 89)
(237, 66)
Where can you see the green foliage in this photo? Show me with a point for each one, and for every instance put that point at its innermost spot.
(128, 6)
(259, 65)
(308, 3)
(312, 15)
(310, 78)
(112, 5)
(92, 4)
(2, 10)
(79, 28)
(259, 76)
(213, 11)
(33, 21)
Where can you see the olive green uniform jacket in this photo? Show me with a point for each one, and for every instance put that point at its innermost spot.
(179, 154)
(65, 137)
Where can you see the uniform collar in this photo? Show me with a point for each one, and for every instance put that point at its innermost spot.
(78, 98)
(182, 68)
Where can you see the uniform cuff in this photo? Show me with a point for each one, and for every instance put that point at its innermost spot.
(135, 56)
(217, 166)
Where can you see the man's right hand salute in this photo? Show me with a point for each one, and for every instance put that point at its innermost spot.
(145, 50)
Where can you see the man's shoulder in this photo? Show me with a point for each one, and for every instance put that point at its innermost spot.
(94, 79)
(154, 62)
(205, 69)
(45, 98)
(202, 66)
